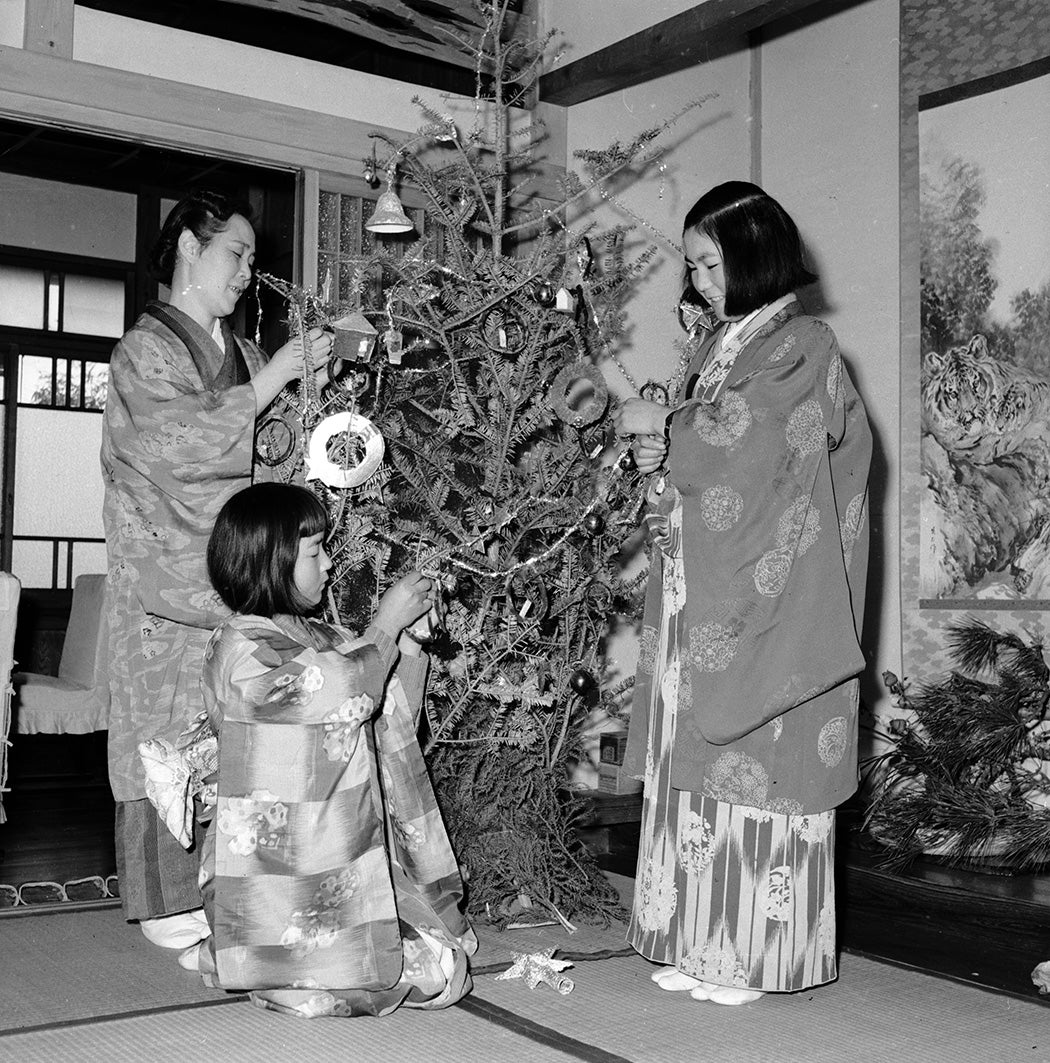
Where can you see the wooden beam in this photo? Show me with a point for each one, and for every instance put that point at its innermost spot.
(98, 99)
(49, 27)
(672, 45)
(77, 95)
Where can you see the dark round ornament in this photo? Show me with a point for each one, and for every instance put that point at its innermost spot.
(503, 331)
(594, 440)
(599, 596)
(528, 595)
(544, 294)
(275, 440)
(581, 680)
(594, 523)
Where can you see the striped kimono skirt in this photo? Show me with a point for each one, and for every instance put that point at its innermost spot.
(726, 893)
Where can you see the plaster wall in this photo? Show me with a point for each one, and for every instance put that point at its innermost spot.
(708, 144)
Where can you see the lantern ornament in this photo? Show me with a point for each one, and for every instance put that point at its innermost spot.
(354, 339)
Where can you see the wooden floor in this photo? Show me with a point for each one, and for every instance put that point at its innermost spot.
(59, 810)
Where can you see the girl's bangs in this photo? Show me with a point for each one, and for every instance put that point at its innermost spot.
(313, 520)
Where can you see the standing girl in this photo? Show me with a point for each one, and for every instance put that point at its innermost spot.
(327, 876)
(745, 709)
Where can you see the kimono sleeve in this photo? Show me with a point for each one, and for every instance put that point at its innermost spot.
(261, 687)
(173, 452)
(410, 672)
(769, 614)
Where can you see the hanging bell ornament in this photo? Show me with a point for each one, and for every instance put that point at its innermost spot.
(581, 681)
(389, 215)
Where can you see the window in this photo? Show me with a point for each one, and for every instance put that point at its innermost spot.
(342, 240)
(58, 301)
(59, 317)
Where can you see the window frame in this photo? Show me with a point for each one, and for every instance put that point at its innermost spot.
(16, 341)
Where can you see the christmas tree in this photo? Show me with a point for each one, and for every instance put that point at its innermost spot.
(966, 778)
(468, 363)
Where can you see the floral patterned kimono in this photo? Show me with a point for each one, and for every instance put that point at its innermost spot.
(327, 875)
(745, 718)
(177, 442)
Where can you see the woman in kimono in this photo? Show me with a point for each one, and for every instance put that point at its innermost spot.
(744, 725)
(328, 878)
(177, 442)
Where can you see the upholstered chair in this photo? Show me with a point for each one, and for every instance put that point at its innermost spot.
(68, 703)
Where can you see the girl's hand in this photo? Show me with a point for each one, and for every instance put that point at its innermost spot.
(640, 417)
(649, 452)
(405, 602)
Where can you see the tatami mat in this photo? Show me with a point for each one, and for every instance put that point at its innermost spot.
(86, 987)
(874, 1013)
(62, 966)
(240, 1032)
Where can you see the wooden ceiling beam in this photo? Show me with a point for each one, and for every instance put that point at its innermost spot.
(672, 45)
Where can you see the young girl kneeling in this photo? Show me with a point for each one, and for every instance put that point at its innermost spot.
(327, 876)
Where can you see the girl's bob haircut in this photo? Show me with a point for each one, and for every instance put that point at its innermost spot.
(255, 544)
(762, 252)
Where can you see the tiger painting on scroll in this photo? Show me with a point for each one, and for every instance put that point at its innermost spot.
(984, 239)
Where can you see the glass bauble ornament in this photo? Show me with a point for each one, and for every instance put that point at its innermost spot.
(581, 680)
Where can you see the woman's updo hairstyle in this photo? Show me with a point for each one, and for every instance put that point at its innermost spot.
(204, 214)
(254, 546)
(762, 252)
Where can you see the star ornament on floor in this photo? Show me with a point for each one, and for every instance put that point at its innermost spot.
(538, 967)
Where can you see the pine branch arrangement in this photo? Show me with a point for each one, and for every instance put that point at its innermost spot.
(967, 778)
(501, 477)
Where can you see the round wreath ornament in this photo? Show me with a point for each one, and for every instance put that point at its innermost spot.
(362, 432)
(579, 394)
